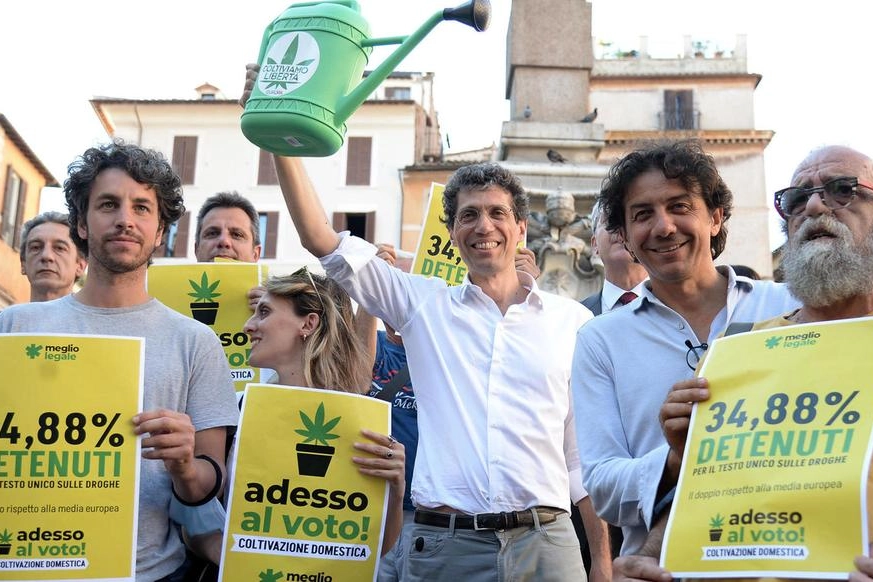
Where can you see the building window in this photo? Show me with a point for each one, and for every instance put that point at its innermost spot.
(358, 160)
(176, 239)
(679, 110)
(267, 169)
(13, 208)
(360, 224)
(269, 226)
(185, 157)
(398, 93)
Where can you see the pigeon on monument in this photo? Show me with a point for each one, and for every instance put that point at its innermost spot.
(590, 117)
(555, 157)
(527, 112)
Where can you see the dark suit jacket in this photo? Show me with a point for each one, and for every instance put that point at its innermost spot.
(594, 302)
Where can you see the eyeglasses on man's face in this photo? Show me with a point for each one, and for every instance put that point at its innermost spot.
(836, 193)
(694, 353)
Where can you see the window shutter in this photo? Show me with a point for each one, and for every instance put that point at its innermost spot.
(9, 214)
(268, 250)
(370, 226)
(267, 169)
(359, 152)
(7, 200)
(185, 157)
(339, 221)
(19, 214)
(180, 245)
(360, 224)
(686, 109)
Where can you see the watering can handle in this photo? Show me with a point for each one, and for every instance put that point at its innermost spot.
(353, 4)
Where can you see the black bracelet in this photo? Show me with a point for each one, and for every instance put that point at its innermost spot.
(211, 494)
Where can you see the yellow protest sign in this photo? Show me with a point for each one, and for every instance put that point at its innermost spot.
(299, 509)
(774, 477)
(69, 459)
(435, 255)
(214, 294)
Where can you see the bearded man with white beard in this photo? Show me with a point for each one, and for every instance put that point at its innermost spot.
(828, 266)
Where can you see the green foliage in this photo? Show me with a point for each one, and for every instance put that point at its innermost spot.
(204, 292)
(716, 522)
(317, 430)
(5, 537)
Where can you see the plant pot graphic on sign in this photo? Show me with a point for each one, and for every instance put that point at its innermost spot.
(204, 308)
(314, 459)
(5, 542)
(715, 530)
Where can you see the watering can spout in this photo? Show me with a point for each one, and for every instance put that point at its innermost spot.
(475, 13)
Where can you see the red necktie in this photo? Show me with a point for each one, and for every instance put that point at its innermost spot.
(627, 297)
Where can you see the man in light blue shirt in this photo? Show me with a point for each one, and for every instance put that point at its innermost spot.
(670, 205)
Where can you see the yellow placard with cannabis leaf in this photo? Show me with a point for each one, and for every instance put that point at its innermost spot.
(774, 479)
(299, 509)
(215, 294)
(435, 255)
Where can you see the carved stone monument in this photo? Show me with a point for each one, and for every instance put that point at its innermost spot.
(560, 239)
(549, 61)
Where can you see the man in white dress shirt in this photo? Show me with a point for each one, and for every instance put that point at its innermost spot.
(490, 360)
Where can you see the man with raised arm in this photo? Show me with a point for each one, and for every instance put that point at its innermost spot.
(490, 360)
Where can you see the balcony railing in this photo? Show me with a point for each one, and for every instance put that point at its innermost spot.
(679, 120)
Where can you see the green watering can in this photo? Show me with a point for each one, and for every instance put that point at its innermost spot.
(312, 62)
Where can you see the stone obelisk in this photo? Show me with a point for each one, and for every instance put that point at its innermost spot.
(549, 59)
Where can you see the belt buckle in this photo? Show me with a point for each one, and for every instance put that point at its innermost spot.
(499, 520)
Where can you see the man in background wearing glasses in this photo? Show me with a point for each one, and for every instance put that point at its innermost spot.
(828, 265)
(670, 205)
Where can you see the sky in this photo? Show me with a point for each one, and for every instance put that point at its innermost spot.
(814, 58)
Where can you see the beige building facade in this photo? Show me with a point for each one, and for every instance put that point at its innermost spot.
(553, 81)
(22, 178)
(706, 97)
(360, 185)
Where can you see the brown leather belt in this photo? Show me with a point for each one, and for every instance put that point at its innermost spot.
(488, 521)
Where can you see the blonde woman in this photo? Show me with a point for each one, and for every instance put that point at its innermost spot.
(303, 329)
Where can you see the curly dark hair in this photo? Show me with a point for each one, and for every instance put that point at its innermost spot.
(146, 166)
(683, 160)
(480, 177)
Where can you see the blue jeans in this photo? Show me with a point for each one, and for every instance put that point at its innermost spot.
(539, 553)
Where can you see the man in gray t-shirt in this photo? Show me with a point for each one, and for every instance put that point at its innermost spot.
(121, 200)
